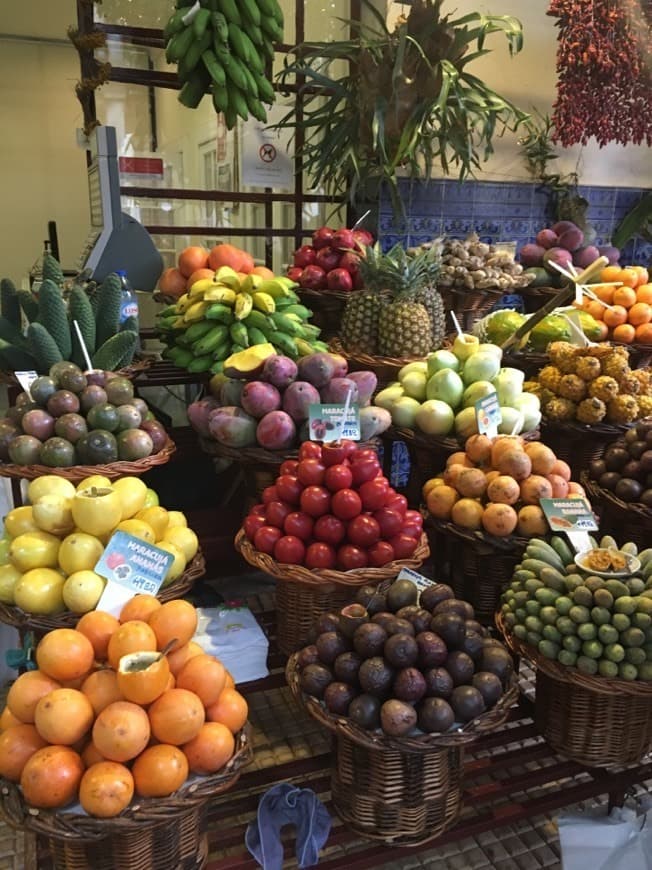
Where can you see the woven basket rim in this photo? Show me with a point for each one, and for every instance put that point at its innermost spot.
(420, 439)
(365, 359)
(564, 674)
(141, 813)
(259, 455)
(9, 378)
(344, 727)
(306, 577)
(481, 292)
(507, 544)
(637, 508)
(594, 430)
(77, 473)
(341, 295)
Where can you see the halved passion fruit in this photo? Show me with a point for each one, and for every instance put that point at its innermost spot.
(143, 676)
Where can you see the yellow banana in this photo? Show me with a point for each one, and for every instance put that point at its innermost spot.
(251, 283)
(276, 288)
(243, 306)
(227, 275)
(264, 302)
(293, 316)
(200, 287)
(183, 303)
(196, 312)
(220, 294)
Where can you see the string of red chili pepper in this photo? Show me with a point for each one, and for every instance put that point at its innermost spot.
(604, 69)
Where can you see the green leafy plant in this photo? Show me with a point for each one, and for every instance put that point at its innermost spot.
(637, 222)
(407, 101)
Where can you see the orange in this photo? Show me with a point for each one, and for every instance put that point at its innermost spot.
(175, 620)
(205, 676)
(176, 716)
(604, 292)
(91, 754)
(640, 313)
(143, 676)
(643, 275)
(229, 255)
(65, 654)
(624, 296)
(615, 316)
(27, 691)
(8, 720)
(625, 333)
(191, 259)
(229, 682)
(98, 628)
(595, 309)
(63, 716)
(628, 277)
(139, 607)
(106, 788)
(644, 333)
(17, 745)
(644, 293)
(181, 654)
(197, 275)
(172, 283)
(262, 271)
(160, 770)
(610, 273)
(230, 709)
(604, 330)
(132, 636)
(210, 750)
(51, 777)
(121, 731)
(101, 689)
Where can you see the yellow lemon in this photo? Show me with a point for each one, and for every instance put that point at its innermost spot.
(40, 591)
(53, 514)
(183, 538)
(176, 518)
(34, 550)
(9, 576)
(133, 493)
(79, 552)
(20, 520)
(177, 567)
(139, 529)
(5, 544)
(50, 484)
(151, 499)
(97, 480)
(97, 510)
(82, 590)
(156, 517)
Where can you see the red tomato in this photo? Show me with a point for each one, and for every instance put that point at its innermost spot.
(270, 493)
(276, 513)
(346, 504)
(259, 510)
(373, 493)
(289, 467)
(403, 545)
(364, 469)
(251, 525)
(414, 517)
(412, 529)
(350, 557)
(338, 477)
(363, 531)
(265, 539)
(390, 522)
(310, 450)
(316, 501)
(380, 554)
(311, 472)
(299, 524)
(289, 488)
(289, 549)
(397, 503)
(320, 555)
(334, 453)
(329, 529)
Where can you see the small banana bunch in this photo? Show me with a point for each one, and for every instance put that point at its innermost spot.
(227, 314)
(224, 46)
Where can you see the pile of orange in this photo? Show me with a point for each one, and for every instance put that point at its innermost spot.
(629, 320)
(196, 262)
(106, 717)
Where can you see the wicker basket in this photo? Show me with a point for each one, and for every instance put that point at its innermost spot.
(302, 595)
(470, 305)
(135, 368)
(327, 307)
(591, 720)
(529, 362)
(400, 791)
(623, 520)
(385, 368)
(478, 566)
(535, 297)
(578, 444)
(40, 625)
(77, 473)
(165, 834)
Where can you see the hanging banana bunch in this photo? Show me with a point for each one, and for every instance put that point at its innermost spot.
(224, 47)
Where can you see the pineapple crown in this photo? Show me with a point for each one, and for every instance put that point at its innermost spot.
(398, 271)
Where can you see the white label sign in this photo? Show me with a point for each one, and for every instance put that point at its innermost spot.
(26, 379)
(419, 580)
(266, 157)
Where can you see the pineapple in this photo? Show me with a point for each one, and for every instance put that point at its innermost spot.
(572, 387)
(616, 363)
(645, 406)
(562, 356)
(359, 327)
(629, 384)
(604, 388)
(549, 378)
(591, 410)
(644, 380)
(588, 368)
(560, 410)
(404, 330)
(622, 409)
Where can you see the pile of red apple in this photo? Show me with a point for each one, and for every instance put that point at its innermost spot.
(331, 261)
(333, 508)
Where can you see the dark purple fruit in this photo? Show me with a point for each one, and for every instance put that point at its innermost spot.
(489, 687)
(338, 697)
(73, 380)
(309, 655)
(615, 458)
(314, 680)
(399, 626)
(630, 436)
(472, 645)
(328, 622)
(460, 666)
(409, 685)
(432, 650)
(377, 604)
(376, 677)
(397, 718)
(597, 468)
(400, 594)
(383, 617)
(631, 469)
(330, 645)
(128, 417)
(474, 625)
(119, 391)
(134, 444)
(42, 388)
(63, 402)
(38, 423)
(467, 703)
(91, 396)
(646, 497)
(419, 617)
(157, 433)
(454, 605)
(58, 453)
(646, 461)
(364, 595)
(498, 661)
(435, 715)
(23, 400)
(401, 650)
(609, 480)
(97, 448)
(369, 640)
(17, 413)
(346, 667)
(628, 489)
(25, 450)
(71, 427)
(8, 432)
(431, 596)
(637, 449)
(438, 683)
(365, 711)
(351, 618)
(643, 428)
(96, 378)
(450, 627)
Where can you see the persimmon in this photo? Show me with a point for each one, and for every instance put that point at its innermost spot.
(172, 283)
(210, 750)
(628, 277)
(644, 293)
(191, 259)
(625, 332)
(64, 716)
(121, 731)
(160, 770)
(133, 636)
(17, 745)
(65, 654)
(231, 709)
(98, 628)
(91, 754)
(640, 313)
(644, 333)
(624, 296)
(205, 676)
(25, 693)
(176, 716)
(175, 620)
(51, 777)
(106, 788)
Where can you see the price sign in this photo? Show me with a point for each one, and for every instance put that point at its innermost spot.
(26, 379)
(130, 565)
(419, 580)
(487, 413)
(574, 517)
(328, 422)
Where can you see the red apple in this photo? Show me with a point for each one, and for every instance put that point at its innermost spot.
(322, 237)
(299, 524)
(327, 258)
(313, 278)
(294, 273)
(363, 531)
(339, 279)
(290, 550)
(270, 493)
(390, 522)
(338, 477)
(346, 504)
(311, 472)
(364, 470)
(343, 240)
(315, 501)
(265, 539)
(373, 493)
(397, 503)
(276, 513)
(288, 488)
(252, 523)
(304, 256)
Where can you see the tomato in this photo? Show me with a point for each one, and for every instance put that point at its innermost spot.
(289, 467)
(334, 453)
(316, 501)
(320, 555)
(412, 529)
(329, 529)
(276, 513)
(403, 545)
(289, 488)
(364, 469)
(311, 472)
(414, 517)
(259, 510)
(338, 477)
(346, 504)
(350, 557)
(298, 524)
(290, 549)
(270, 493)
(251, 525)
(397, 503)
(390, 522)
(380, 554)
(265, 539)
(310, 450)
(373, 493)
(363, 531)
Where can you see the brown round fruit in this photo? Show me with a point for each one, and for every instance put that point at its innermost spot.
(401, 650)
(409, 685)
(397, 718)
(435, 715)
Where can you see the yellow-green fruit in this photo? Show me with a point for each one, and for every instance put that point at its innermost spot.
(40, 591)
(151, 499)
(20, 520)
(139, 529)
(5, 544)
(183, 538)
(156, 517)
(133, 494)
(98, 480)
(82, 590)
(9, 576)
(79, 552)
(34, 550)
(97, 510)
(177, 567)
(176, 518)
(53, 514)
(49, 484)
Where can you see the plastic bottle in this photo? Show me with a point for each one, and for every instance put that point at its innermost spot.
(129, 304)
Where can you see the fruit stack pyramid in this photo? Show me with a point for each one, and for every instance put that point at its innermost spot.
(567, 245)
(596, 623)
(437, 396)
(498, 326)
(136, 724)
(266, 401)
(71, 418)
(226, 53)
(626, 467)
(52, 545)
(333, 508)
(405, 662)
(232, 310)
(628, 318)
(497, 484)
(195, 262)
(592, 385)
(332, 261)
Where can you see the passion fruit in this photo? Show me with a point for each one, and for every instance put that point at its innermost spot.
(157, 433)
(38, 423)
(432, 649)
(397, 718)
(103, 417)
(59, 368)
(63, 402)
(42, 388)
(369, 640)
(338, 697)
(90, 396)
(467, 703)
(409, 685)
(376, 677)
(119, 391)
(330, 645)
(72, 379)
(401, 650)
(435, 715)
(57, 453)
(365, 711)
(72, 427)
(431, 596)
(314, 680)
(134, 444)
(25, 450)
(309, 655)
(128, 417)
(8, 433)
(489, 687)
(97, 448)
(346, 667)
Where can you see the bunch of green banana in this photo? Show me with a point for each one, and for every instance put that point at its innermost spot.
(225, 47)
(221, 316)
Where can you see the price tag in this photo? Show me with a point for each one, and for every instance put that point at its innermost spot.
(419, 580)
(327, 422)
(578, 337)
(487, 413)
(26, 379)
(130, 565)
(573, 516)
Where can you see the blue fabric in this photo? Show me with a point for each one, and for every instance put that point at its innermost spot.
(284, 804)
(22, 659)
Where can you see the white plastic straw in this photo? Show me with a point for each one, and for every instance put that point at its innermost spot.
(457, 326)
(345, 413)
(89, 364)
(518, 425)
